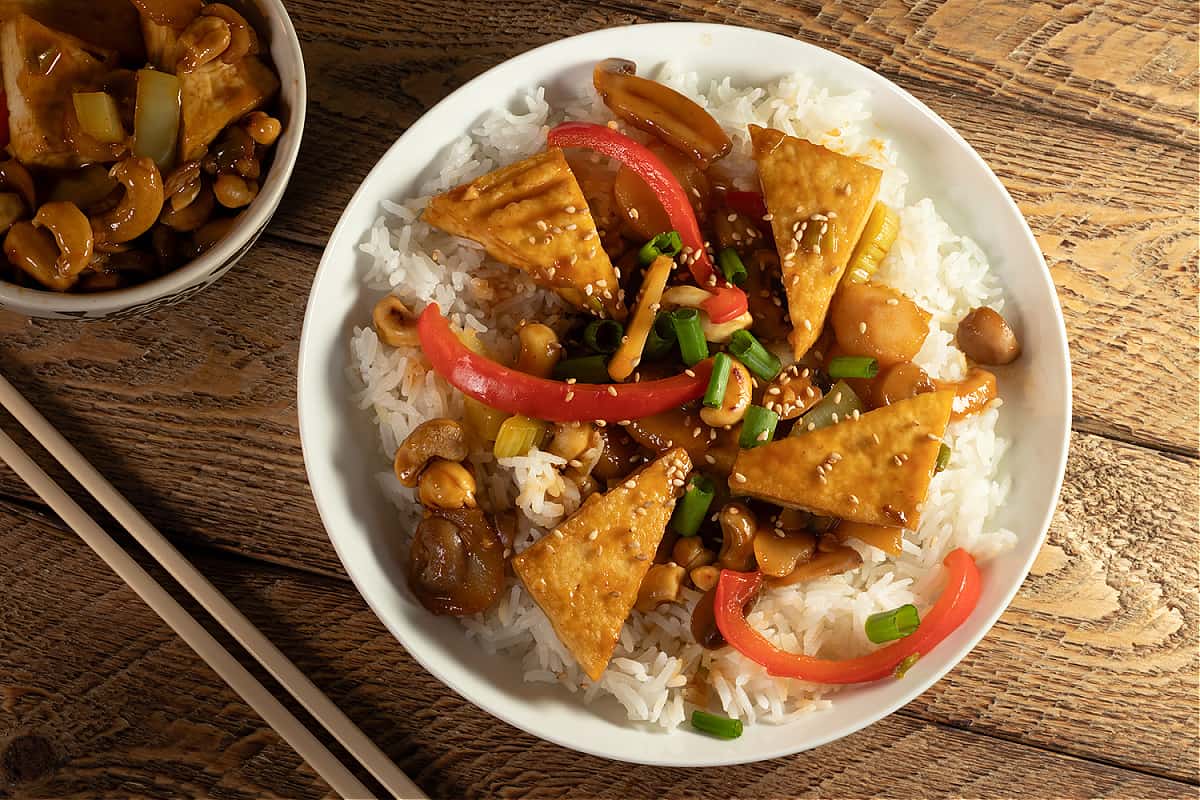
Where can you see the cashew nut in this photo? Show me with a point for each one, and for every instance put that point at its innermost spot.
(243, 39)
(210, 233)
(193, 215)
(571, 439)
(14, 175)
(203, 40)
(33, 250)
(139, 207)
(447, 485)
(736, 400)
(394, 323)
(444, 438)
(540, 349)
(182, 185)
(691, 553)
(706, 577)
(778, 554)
(738, 527)
(72, 232)
(12, 208)
(262, 127)
(234, 191)
(661, 585)
(683, 296)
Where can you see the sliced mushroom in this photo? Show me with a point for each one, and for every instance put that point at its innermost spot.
(456, 562)
(778, 553)
(985, 337)
(704, 622)
(833, 562)
(441, 438)
(690, 553)
(662, 584)
(394, 323)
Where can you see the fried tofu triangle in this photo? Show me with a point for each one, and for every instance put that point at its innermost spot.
(875, 469)
(819, 202)
(585, 574)
(532, 216)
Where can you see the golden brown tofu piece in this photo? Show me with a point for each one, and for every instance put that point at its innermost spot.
(585, 574)
(819, 202)
(217, 95)
(875, 469)
(42, 69)
(532, 216)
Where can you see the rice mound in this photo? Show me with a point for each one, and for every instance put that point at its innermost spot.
(943, 272)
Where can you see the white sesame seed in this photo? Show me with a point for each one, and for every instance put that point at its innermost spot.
(862, 327)
(731, 218)
(709, 459)
(892, 301)
(630, 484)
(570, 396)
(612, 390)
(739, 477)
(690, 373)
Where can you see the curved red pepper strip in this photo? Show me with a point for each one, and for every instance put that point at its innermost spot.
(557, 401)
(727, 302)
(958, 600)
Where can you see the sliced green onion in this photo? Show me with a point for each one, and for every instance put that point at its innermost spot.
(693, 506)
(731, 266)
(943, 458)
(716, 725)
(758, 427)
(905, 665)
(853, 367)
(517, 436)
(585, 369)
(692, 345)
(888, 626)
(715, 394)
(603, 335)
(837, 406)
(757, 358)
(665, 244)
(661, 338)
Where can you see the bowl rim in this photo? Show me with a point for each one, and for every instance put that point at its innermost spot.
(666, 29)
(246, 227)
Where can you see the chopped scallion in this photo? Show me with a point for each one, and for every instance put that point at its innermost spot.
(715, 394)
(665, 244)
(603, 335)
(517, 436)
(943, 458)
(757, 358)
(584, 369)
(853, 367)
(692, 345)
(731, 266)
(661, 338)
(888, 626)
(716, 725)
(758, 427)
(693, 506)
(838, 405)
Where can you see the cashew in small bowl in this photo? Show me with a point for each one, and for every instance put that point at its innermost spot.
(446, 485)
(72, 233)
(738, 526)
(139, 207)
(243, 39)
(34, 251)
(394, 323)
(441, 437)
(736, 400)
(202, 41)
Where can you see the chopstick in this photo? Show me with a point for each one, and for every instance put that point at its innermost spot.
(208, 648)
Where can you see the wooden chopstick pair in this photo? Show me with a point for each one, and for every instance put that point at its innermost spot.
(223, 663)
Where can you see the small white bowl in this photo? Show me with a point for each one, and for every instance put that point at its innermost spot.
(276, 31)
(341, 444)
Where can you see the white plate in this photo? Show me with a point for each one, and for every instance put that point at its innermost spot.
(341, 446)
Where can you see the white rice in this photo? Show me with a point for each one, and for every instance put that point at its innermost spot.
(945, 273)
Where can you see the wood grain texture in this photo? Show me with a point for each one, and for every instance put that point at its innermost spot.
(1114, 213)
(91, 708)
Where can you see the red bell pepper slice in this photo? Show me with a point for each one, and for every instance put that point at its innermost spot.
(957, 601)
(516, 392)
(727, 302)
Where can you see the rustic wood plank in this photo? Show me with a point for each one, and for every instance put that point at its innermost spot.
(69, 729)
(1114, 214)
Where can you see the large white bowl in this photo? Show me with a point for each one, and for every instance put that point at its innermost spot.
(340, 444)
(275, 29)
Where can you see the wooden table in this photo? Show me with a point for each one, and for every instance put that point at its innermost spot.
(1088, 684)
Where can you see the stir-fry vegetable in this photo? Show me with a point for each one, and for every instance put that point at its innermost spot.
(888, 626)
(629, 354)
(726, 302)
(719, 380)
(716, 725)
(518, 435)
(758, 427)
(757, 358)
(840, 404)
(156, 116)
(603, 335)
(731, 266)
(736, 589)
(99, 116)
(589, 369)
(693, 507)
(664, 244)
(876, 240)
(943, 458)
(853, 367)
(661, 337)
(692, 345)
(556, 401)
